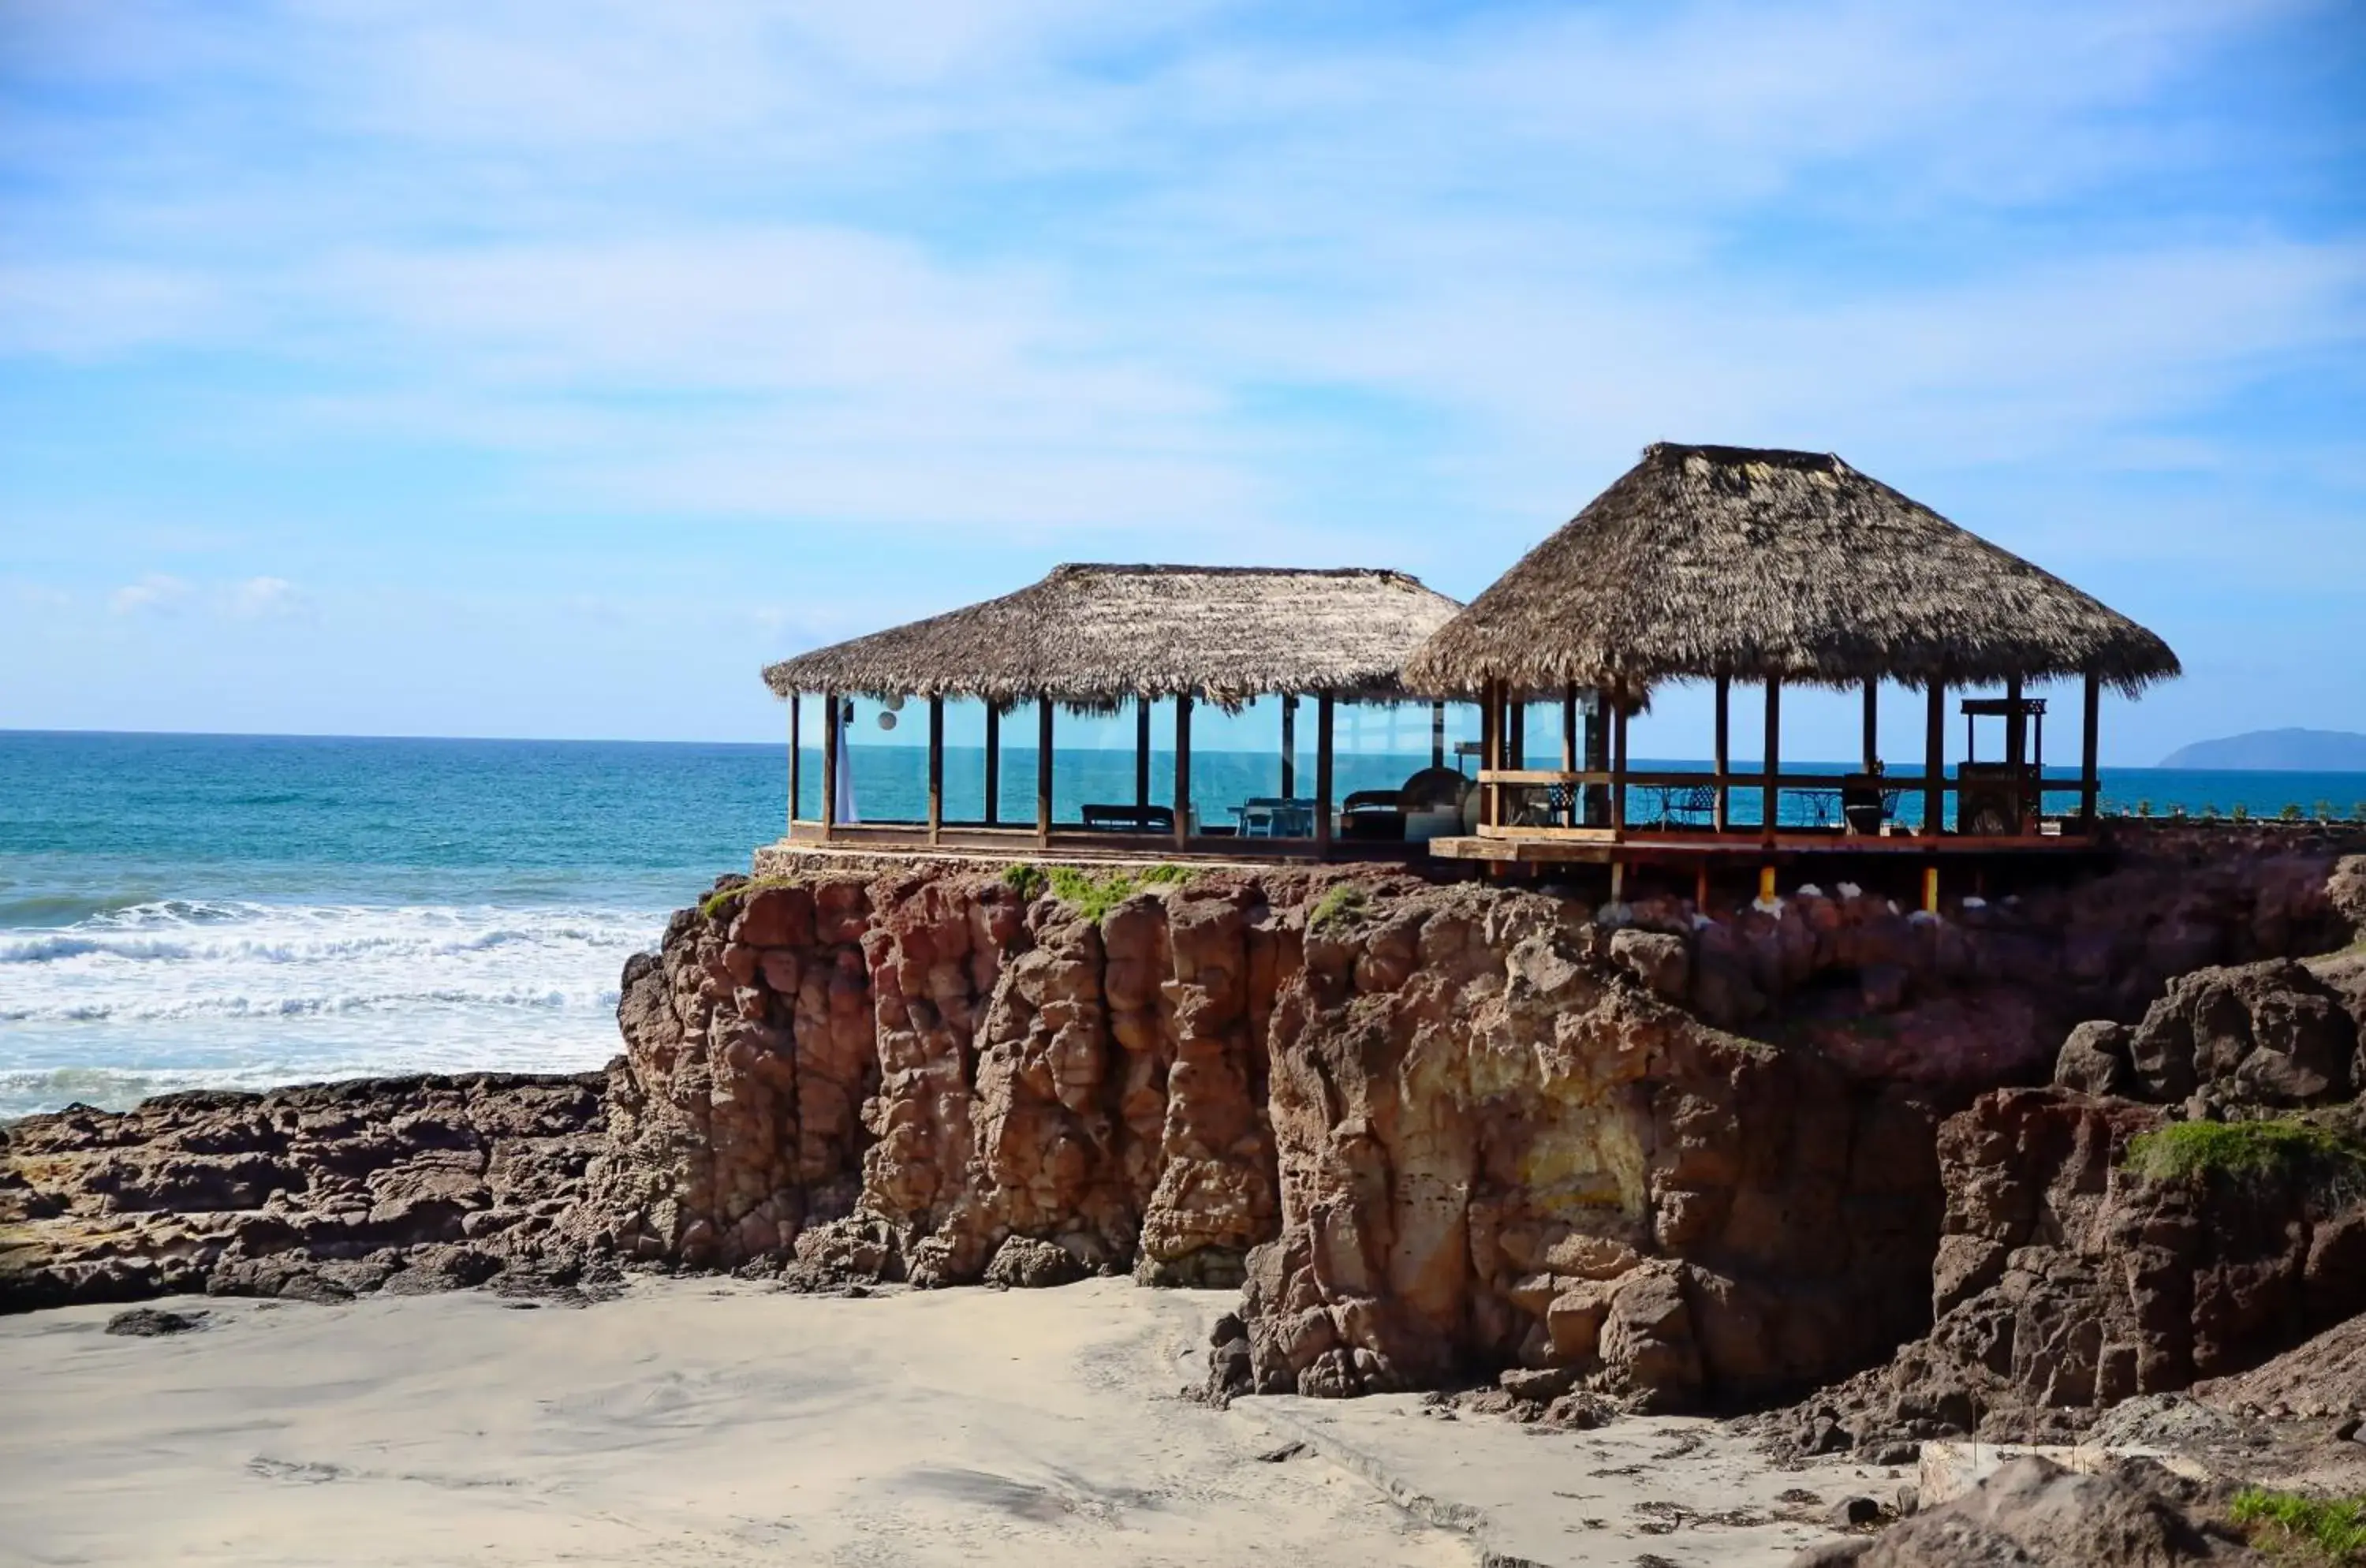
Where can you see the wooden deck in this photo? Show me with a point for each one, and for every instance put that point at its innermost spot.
(1600, 846)
(1071, 842)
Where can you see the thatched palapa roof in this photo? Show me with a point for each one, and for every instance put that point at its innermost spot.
(1089, 636)
(1728, 560)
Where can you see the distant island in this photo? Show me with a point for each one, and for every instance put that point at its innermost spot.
(2280, 751)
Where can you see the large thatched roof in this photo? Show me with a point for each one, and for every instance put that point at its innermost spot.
(1089, 636)
(1708, 560)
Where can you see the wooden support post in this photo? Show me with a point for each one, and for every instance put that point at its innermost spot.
(1491, 714)
(797, 759)
(1289, 748)
(828, 764)
(1568, 749)
(1771, 796)
(936, 770)
(1619, 772)
(1323, 707)
(1766, 884)
(1516, 730)
(1934, 760)
(1700, 888)
(1597, 760)
(2089, 768)
(992, 763)
(1872, 726)
(1437, 735)
(1930, 888)
(1618, 882)
(1043, 772)
(1183, 770)
(2016, 750)
(1141, 756)
(1718, 807)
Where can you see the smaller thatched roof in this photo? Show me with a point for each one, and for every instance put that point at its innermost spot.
(1728, 560)
(1089, 637)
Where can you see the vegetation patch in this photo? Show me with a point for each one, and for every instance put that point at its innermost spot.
(2241, 1151)
(2330, 1529)
(1343, 903)
(724, 902)
(1091, 895)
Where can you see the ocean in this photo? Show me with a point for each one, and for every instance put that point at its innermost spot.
(181, 911)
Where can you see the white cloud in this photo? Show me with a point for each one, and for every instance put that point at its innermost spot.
(156, 593)
(261, 598)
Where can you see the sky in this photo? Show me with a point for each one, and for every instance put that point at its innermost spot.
(544, 370)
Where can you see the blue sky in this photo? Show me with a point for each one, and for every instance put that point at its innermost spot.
(543, 370)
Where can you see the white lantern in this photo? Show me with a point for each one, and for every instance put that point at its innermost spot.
(886, 721)
(893, 705)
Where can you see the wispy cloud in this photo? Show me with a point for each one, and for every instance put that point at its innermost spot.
(156, 593)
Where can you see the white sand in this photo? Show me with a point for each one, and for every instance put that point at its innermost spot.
(692, 1422)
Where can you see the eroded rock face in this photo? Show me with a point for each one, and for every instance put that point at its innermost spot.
(325, 1192)
(1500, 1148)
(898, 1075)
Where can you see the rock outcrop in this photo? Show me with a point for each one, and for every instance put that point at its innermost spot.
(323, 1191)
(2071, 1277)
(2034, 1513)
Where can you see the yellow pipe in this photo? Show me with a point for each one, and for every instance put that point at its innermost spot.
(1766, 884)
(1931, 889)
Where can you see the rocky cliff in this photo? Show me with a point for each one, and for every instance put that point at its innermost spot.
(1693, 1155)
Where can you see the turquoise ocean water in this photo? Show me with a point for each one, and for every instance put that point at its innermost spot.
(187, 910)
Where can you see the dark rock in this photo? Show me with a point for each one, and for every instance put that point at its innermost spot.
(1854, 1514)
(148, 1322)
(1024, 1263)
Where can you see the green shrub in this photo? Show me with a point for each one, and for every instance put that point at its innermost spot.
(2242, 812)
(2240, 1151)
(1157, 875)
(1343, 903)
(1027, 881)
(2290, 813)
(2144, 807)
(2325, 811)
(2334, 1526)
(2210, 812)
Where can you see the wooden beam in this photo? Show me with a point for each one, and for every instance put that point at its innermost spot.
(936, 770)
(1142, 753)
(2090, 767)
(796, 764)
(1323, 779)
(1289, 746)
(1183, 771)
(1934, 759)
(993, 762)
(2016, 745)
(828, 764)
(1770, 796)
(1437, 735)
(1516, 731)
(1872, 726)
(1043, 772)
(1718, 809)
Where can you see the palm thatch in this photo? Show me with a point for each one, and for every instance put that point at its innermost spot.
(1756, 564)
(1090, 636)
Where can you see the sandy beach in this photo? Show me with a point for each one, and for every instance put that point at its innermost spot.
(705, 1421)
(690, 1422)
